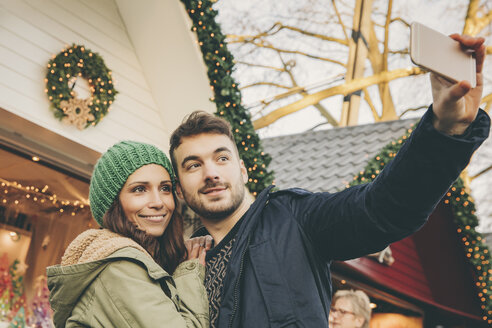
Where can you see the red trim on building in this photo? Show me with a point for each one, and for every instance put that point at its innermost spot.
(430, 266)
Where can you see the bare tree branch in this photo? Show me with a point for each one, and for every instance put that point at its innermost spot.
(481, 173)
(369, 102)
(279, 69)
(386, 35)
(384, 91)
(344, 89)
(303, 92)
(277, 27)
(414, 109)
(399, 19)
(377, 64)
(231, 38)
(319, 36)
(399, 52)
(292, 91)
(267, 46)
(487, 100)
(473, 23)
(340, 21)
(264, 83)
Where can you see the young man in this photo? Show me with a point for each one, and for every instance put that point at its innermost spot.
(270, 263)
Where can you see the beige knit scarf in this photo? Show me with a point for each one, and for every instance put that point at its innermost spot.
(96, 244)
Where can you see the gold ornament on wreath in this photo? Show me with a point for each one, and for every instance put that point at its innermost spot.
(64, 70)
(77, 112)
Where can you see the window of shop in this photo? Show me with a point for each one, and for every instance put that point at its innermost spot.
(43, 207)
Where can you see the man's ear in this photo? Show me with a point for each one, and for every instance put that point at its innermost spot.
(244, 171)
(179, 192)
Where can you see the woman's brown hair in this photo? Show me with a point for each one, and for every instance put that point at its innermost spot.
(167, 250)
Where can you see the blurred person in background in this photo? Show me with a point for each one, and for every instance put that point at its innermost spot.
(350, 309)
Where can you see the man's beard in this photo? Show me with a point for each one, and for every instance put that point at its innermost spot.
(211, 212)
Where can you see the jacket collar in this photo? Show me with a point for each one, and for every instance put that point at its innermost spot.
(251, 217)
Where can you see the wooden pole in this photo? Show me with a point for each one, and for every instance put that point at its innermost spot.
(357, 58)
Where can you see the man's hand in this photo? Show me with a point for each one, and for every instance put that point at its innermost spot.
(456, 104)
(197, 247)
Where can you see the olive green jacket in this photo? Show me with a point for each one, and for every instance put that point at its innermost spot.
(106, 280)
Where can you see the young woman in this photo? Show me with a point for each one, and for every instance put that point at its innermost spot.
(120, 276)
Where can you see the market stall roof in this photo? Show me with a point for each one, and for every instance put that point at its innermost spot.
(327, 160)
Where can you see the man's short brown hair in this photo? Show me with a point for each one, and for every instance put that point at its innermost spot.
(194, 124)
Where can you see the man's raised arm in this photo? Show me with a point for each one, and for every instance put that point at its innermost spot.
(365, 219)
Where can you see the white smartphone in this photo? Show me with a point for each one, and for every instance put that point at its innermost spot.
(440, 54)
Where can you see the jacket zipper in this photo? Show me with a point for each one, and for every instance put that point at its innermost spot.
(241, 268)
(236, 286)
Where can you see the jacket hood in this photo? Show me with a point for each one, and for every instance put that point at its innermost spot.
(84, 259)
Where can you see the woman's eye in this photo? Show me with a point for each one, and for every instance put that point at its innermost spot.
(138, 189)
(166, 188)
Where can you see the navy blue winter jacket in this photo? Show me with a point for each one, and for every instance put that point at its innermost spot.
(278, 274)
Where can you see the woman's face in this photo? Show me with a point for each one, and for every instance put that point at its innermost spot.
(147, 199)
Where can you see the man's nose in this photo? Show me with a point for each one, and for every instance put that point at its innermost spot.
(211, 172)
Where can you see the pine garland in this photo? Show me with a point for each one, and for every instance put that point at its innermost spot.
(465, 219)
(227, 97)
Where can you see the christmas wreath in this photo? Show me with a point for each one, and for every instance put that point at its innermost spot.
(64, 70)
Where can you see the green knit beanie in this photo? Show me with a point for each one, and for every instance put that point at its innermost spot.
(113, 169)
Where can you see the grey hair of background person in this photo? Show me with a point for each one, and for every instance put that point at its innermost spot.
(360, 303)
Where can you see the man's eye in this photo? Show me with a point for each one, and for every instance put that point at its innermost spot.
(223, 158)
(193, 166)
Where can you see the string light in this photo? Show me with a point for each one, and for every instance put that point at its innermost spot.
(34, 194)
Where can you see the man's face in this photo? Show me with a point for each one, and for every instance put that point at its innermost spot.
(342, 315)
(211, 175)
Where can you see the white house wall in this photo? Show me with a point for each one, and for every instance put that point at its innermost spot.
(31, 31)
(169, 55)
